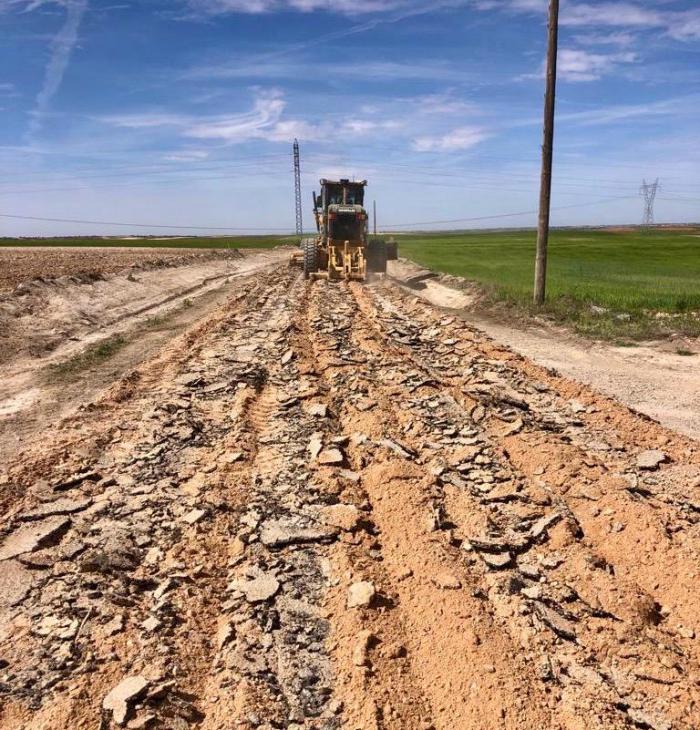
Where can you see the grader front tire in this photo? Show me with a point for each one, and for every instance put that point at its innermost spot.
(310, 260)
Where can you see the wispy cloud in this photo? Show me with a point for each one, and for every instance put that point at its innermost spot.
(461, 138)
(62, 47)
(617, 38)
(579, 65)
(372, 71)
(264, 121)
(677, 106)
(345, 7)
(681, 25)
(575, 64)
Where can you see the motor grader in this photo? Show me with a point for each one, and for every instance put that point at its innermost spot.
(343, 248)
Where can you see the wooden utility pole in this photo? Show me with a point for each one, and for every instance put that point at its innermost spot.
(547, 147)
(374, 212)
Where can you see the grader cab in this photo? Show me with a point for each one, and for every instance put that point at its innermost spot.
(343, 248)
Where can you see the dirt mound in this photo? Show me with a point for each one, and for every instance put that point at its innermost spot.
(28, 268)
(41, 313)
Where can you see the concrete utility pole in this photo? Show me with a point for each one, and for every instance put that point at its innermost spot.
(297, 188)
(374, 213)
(547, 148)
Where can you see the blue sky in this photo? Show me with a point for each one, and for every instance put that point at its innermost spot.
(182, 113)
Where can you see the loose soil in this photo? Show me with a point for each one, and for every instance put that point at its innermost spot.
(44, 263)
(331, 506)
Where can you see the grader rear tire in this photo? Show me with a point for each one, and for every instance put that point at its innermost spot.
(376, 256)
(310, 261)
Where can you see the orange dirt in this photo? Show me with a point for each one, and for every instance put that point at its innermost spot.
(334, 506)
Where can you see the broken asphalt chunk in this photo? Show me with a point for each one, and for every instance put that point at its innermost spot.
(361, 594)
(62, 506)
(260, 588)
(276, 533)
(403, 451)
(496, 561)
(30, 537)
(651, 459)
(561, 626)
(125, 694)
(331, 457)
(541, 526)
(15, 583)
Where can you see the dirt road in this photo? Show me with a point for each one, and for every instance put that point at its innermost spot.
(333, 506)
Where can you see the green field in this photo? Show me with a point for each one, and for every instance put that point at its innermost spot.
(633, 274)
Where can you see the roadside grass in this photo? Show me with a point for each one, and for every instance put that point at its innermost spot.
(629, 284)
(90, 357)
(190, 242)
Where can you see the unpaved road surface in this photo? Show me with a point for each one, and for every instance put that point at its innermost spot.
(46, 323)
(652, 377)
(335, 506)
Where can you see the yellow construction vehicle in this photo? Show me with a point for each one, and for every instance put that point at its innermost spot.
(342, 249)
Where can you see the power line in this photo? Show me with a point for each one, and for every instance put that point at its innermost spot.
(286, 230)
(503, 215)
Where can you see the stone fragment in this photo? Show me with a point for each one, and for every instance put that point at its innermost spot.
(541, 526)
(225, 632)
(529, 570)
(648, 719)
(114, 557)
(403, 451)
(343, 516)
(556, 622)
(63, 506)
(287, 356)
(532, 592)
(278, 534)
(163, 588)
(651, 459)
(361, 594)
(73, 481)
(551, 560)
(360, 653)
(315, 445)
(496, 561)
(123, 696)
(331, 457)
(151, 624)
(15, 583)
(261, 588)
(365, 404)
(447, 581)
(317, 409)
(194, 516)
(115, 626)
(27, 538)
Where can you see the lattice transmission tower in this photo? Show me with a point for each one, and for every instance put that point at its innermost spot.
(297, 187)
(648, 192)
